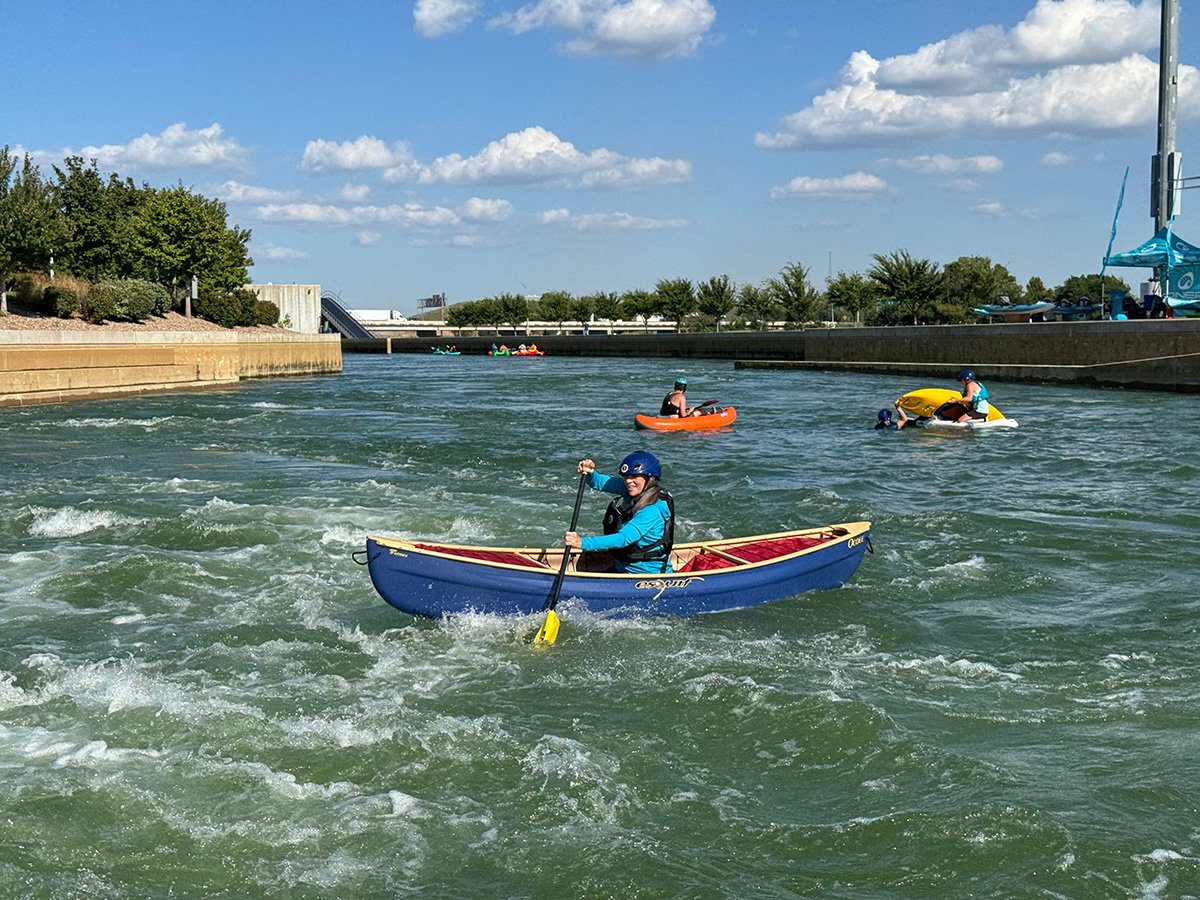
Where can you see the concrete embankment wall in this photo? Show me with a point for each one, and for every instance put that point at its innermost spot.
(1160, 354)
(53, 366)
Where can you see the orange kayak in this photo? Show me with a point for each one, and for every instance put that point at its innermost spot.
(705, 422)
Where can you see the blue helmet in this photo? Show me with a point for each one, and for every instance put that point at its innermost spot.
(681, 383)
(885, 415)
(639, 462)
(966, 375)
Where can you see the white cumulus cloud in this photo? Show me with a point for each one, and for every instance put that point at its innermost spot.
(941, 164)
(610, 221)
(236, 192)
(1071, 66)
(644, 29)
(434, 18)
(413, 215)
(273, 252)
(365, 152)
(993, 208)
(538, 156)
(853, 186)
(176, 146)
(478, 209)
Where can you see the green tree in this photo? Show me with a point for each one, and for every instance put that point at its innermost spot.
(462, 315)
(909, 288)
(1078, 286)
(1036, 290)
(582, 309)
(176, 234)
(798, 300)
(715, 299)
(756, 307)
(98, 214)
(853, 293)
(973, 281)
(639, 304)
(606, 305)
(511, 309)
(487, 312)
(675, 298)
(555, 306)
(31, 226)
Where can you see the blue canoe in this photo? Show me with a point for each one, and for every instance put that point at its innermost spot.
(431, 579)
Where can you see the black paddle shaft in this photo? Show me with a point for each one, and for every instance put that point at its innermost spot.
(552, 600)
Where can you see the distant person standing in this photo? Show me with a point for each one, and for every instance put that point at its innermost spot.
(675, 403)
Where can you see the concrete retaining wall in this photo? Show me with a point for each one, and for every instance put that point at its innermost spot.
(1162, 354)
(53, 366)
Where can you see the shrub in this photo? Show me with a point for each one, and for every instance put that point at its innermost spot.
(265, 313)
(226, 308)
(27, 289)
(146, 295)
(60, 300)
(100, 303)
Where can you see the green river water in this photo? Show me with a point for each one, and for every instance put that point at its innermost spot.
(201, 694)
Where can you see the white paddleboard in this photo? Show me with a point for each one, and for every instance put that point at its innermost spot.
(972, 423)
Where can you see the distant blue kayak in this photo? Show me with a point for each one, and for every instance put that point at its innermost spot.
(425, 578)
(1014, 309)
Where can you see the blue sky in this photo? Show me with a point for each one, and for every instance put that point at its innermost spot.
(390, 151)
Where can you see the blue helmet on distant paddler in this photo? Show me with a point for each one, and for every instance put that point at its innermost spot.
(640, 462)
(966, 375)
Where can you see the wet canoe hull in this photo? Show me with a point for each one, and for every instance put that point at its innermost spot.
(436, 580)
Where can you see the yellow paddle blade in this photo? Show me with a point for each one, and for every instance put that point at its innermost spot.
(548, 633)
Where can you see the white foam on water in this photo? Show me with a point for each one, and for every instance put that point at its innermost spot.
(37, 744)
(406, 806)
(934, 665)
(285, 784)
(72, 521)
(129, 619)
(339, 732)
(341, 866)
(581, 782)
(343, 535)
(115, 685)
(465, 530)
(717, 685)
(216, 503)
(148, 424)
(11, 696)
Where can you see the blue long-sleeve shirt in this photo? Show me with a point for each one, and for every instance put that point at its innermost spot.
(645, 528)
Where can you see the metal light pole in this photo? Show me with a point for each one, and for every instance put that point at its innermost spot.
(1166, 172)
(191, 297)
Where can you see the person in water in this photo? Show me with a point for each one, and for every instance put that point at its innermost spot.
(889, 422)
(675, 403)
(975, 398)
(639, 525)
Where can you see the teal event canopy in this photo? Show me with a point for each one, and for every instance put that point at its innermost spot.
(1180, 259)
(1164, 249)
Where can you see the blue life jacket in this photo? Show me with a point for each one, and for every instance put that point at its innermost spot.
(620, 511)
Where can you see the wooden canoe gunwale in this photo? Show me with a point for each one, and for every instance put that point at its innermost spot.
(547, 559)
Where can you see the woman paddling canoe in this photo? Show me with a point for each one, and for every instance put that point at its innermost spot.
(639, 526)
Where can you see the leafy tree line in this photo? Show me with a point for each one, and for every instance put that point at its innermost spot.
(897, 290)
(95, 230)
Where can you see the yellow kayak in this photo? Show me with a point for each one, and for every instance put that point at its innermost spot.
(927, 401)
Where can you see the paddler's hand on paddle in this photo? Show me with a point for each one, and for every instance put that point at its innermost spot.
(585, 467)
(573, 540)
